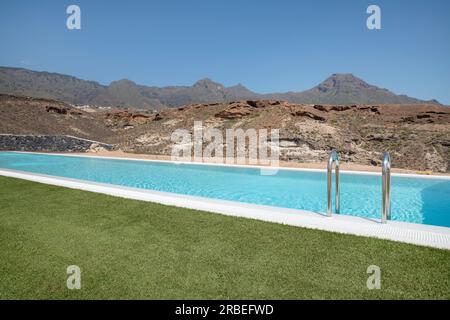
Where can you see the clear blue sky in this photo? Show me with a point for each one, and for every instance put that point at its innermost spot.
(266, 45)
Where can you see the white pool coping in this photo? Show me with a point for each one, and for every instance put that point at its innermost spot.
(418, 234)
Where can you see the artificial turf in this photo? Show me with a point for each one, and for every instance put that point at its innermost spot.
(130, 249)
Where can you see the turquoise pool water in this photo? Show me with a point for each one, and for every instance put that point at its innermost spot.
(418, 200)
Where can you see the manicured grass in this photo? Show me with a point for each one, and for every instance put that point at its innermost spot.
(130, 249)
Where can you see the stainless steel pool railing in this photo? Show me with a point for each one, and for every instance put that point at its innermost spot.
(334, 158)
(386, 188)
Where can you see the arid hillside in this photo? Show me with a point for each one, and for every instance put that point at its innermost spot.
(20, 115)
(418, 136)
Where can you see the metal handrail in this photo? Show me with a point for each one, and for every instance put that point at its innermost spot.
(334, 158)
(386, 188)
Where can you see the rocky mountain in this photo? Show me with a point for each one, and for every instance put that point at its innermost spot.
(346, 89)
(337, 89)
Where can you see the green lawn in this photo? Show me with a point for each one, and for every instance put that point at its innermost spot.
(132, 249)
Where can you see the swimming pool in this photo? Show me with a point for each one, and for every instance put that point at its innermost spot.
(414, 199)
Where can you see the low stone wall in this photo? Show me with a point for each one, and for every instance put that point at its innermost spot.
(49, 143)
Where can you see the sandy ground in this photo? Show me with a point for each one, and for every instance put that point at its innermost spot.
(343, 166)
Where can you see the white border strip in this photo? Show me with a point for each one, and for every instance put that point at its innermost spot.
(424, 235)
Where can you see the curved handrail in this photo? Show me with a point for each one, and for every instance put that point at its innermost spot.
(386, 188)
(334, 158)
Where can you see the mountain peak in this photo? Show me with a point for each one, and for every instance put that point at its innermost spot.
(123, 83)
(207, 83)
(338, 81)
(343, 76)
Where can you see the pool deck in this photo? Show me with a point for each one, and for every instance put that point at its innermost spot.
(424, 235)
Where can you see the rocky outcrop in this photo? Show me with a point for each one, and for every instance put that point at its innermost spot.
(128, 116)
(54, 109)
(258, 103)
(373, 109)
(50, 143)
(303, 113)
(128, 120)
(236, 111)
(332, 108)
